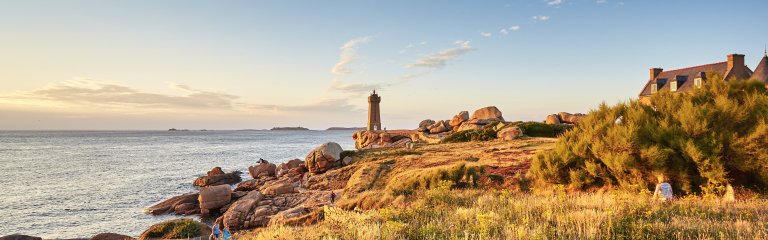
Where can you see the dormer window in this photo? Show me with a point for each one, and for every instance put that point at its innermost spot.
(697, 82)
(654, 88)
(673, 86)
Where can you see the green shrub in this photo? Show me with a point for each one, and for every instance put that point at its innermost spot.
(484, 134)
(700, 140)
(457, 176)
(537, 129)
(347, 153)
(173, 229)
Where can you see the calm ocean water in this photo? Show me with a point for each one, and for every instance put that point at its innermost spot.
(77, 184)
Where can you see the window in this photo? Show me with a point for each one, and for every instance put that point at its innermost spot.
(673, 86)
(697, 82)
(654, 88)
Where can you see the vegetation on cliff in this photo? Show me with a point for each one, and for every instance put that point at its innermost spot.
(701, 141)
(442, 213)
(176, 229)
(430, 193)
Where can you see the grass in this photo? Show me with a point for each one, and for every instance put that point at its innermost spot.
(441, 213)
(431, 193)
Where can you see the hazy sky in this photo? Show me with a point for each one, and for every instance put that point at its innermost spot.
(258, 64)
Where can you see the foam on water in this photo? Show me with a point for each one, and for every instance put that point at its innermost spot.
(78, 184)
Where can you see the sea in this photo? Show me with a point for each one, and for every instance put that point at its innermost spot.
(75, 184)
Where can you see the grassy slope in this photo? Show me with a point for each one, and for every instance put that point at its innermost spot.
(500, 210)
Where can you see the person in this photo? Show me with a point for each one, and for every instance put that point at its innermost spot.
(730, 195)
(333, 196)
(663, 189)
(226, 235)
(216, 232)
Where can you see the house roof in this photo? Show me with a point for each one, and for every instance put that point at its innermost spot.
(685, 77)
(761, 71)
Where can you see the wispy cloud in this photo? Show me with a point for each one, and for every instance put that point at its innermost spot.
(554, 2)
(325, 105)
(102, 96)
(506, 31)
(439, 59)
(348, 55)
(406, 48)
(486, 34)
(601, 1)
(540, 18)
(86, 92)
(355, 88)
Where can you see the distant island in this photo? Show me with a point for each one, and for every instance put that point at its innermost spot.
(344, 128)
(289, 129)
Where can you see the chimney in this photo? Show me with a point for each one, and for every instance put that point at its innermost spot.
(735, 60)
(655, 72)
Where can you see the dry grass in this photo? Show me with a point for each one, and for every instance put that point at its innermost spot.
(372, 207)
(480, 214)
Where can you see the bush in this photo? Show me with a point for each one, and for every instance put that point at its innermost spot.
(700, 140)
(347, 153)
(537, 129)
(484, 134)
(457, 176)
(173, 229)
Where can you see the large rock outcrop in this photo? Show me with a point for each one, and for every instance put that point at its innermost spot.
(570, 118)
(324, 157)
(214, 197)
(240, 215)
(262, 169)
(426, 123)
(173, 204)
(217, 177)
(456, 121)
(19, 237)
(564, 118)
(490, 113)
(552, 119)
(285, 167)
(440, 127)
(509, 133)
(365, 139)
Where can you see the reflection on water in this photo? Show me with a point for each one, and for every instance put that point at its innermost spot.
(77, 184)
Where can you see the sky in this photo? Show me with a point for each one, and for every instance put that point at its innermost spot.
(153, 65)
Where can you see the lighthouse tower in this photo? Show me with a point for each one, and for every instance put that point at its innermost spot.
(374, 112)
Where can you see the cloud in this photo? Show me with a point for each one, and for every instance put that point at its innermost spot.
(554, 2)
(325, 105)
(440, 59)
(406, 48)
(601, 1)
(98, 97)
(348, 55)
(506, 31)
(85, 92)
(415, 75)
(355, 88)
(486, 34)
(540, 18)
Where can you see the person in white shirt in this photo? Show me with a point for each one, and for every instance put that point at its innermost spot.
(663, 189)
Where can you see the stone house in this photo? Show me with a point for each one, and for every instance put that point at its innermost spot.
(688, 79)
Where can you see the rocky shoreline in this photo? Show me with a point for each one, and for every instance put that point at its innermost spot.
(294, 192)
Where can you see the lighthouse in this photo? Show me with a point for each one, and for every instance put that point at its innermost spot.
(374, 112)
